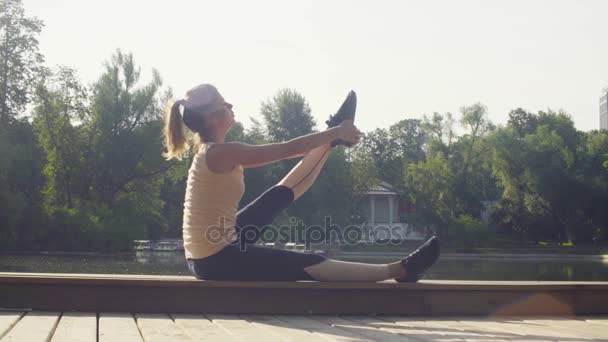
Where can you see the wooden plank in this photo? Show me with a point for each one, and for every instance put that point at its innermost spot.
(34, 326)
(596, 319)
(486, 332)
(325, 330)
(366, 331)
(453, 325)
(582, 329)
(160, 328)
(391, 327)
(128, 298)
(520, 331)
(76, 327)
(118, 327)
(154, 280)
(284, 329)
(199, 328)
(114, 293)
(503, 302)
(242, 329)
(8, 319)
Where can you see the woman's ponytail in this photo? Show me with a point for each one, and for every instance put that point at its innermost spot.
(174, 136)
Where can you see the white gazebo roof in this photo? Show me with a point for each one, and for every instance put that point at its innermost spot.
(383, 188)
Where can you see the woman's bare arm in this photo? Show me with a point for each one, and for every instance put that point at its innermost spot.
(262, 164)
(224, 157)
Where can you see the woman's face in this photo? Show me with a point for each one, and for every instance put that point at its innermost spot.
(223, 118)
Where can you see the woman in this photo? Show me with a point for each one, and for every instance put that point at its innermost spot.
(219, 242)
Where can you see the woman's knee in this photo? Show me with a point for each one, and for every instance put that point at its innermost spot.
(252, 220)
(283, 193)
(266, 206)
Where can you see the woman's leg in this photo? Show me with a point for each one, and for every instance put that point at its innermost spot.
(304, 174)
(261, 263)
(336, 270)
(252, 218)
(268, 264)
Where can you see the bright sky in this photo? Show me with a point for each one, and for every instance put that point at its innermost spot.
(404, 58)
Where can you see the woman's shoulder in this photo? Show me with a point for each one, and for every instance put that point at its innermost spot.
(211, 150)
(205, 147)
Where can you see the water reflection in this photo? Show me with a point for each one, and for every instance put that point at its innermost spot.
(173, 263)
(162, 257)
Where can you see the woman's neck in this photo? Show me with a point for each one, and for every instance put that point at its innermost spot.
(219, 139)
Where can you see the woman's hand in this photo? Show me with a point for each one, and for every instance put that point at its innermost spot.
(349, 132)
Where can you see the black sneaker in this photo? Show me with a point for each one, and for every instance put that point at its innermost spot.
(420, 260)
(346, 112)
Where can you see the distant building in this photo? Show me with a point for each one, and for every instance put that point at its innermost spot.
(604, 110)
(384, 212)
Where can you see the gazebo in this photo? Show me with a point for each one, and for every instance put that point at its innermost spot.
(384, 214)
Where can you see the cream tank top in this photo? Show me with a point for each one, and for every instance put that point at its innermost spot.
(210, 207)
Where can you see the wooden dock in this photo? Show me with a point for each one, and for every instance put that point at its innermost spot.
(126, 327)
(187, 295)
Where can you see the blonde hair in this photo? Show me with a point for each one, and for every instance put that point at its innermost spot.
(182, 132)
(178, 139)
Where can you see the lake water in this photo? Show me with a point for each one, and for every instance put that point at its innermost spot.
(173, 263)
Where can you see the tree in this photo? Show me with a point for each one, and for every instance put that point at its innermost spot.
(509, 160)
(124, 122)
(392, 149)
(440, 133)
(522, 122)
(385, 155)
(287, 115)
(21, 182)
(410, 139)
(20, 61)
(592, 172)
(20, 158)
(104, 170)
(364, 175)
(430, 187)
(468, 162)
(61, 101)
(546, 167)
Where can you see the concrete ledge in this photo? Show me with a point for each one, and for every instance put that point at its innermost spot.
(180, 294)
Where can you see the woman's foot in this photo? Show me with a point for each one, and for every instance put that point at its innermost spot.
(346, 112)
(415, 264)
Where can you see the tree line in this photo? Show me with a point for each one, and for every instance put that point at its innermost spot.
(81, 165)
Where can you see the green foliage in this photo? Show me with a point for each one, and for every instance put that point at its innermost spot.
(20, 159)
(409, 139)
(21, 181)
(60, 101)
(552, 179)
(454, 177)
(440, 133)
(468, 230)
(103, 170)
(392, 149)
(287, 116)
(430, 186)
(365, 173)
(85, 172)
(333, 192)
(20, 60)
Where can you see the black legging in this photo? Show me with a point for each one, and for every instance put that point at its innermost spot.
(243, 260)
